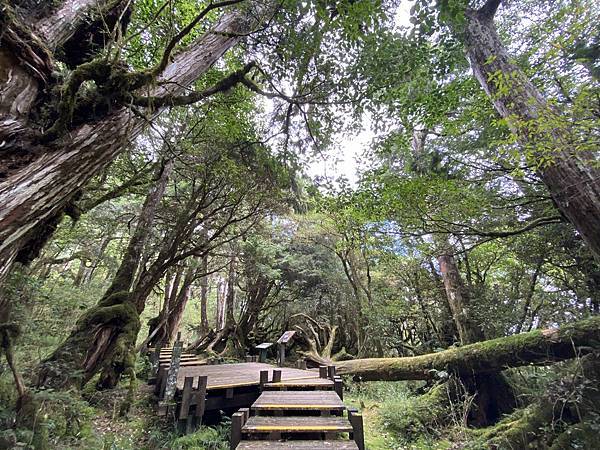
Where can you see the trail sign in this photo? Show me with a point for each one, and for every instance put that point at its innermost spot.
(285, 337)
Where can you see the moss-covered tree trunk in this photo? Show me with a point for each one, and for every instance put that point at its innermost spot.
(41, 171)
(104, 337)
(538, 347)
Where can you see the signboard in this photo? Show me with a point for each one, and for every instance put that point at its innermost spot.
(285, 337)
(264, 345)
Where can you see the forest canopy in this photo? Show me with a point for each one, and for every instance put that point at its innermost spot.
(161, 175)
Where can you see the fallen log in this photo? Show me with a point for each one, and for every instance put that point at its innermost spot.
(538, 347)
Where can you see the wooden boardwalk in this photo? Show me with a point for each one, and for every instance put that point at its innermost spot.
(281, 408)
(224, 376)
(311, 418)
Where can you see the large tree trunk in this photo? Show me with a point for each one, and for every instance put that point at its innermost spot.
(538, 347)
(39, 178)
(493, 395)
(572, 175)
(204, 296)
(104, 337)
(458, 299)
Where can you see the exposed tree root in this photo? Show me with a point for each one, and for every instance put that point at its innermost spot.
(564, 419)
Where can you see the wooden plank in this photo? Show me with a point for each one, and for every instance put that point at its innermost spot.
(189, 363)
(320, 383)
(238, 375)
(264, 424)
(297, 445)
(298, 400)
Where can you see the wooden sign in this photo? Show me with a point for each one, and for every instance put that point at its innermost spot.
(285, 337)
(264, 345)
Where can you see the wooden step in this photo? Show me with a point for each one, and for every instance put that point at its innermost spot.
(263, 424)
(299, 445)
(317, 383)
(298, 400)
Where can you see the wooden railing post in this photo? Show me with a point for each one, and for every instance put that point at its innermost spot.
(338, 386)
(200, 396)
(280, 354)
(331, 372)
(358, 433)
(237, 422)
(301, 364)
(323, 371)
(264, 378)
(276, 376)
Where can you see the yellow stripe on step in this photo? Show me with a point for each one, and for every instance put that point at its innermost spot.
(296, 428)
(271, 405)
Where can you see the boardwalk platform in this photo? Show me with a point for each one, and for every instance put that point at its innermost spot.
(298, 419)
(233, 376)
(281, 407)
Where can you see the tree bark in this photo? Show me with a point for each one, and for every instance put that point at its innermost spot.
(42, 178)
(538, 347)
(204, 296)
(572, 175)
(458, 299)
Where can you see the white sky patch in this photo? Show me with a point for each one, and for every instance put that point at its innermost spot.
(343, 160)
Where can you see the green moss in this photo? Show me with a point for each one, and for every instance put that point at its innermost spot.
(413, 418)
(69, 366)
(517, 430)
(579, 436)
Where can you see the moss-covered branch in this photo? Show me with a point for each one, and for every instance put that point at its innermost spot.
(223, 85)
(537, 347)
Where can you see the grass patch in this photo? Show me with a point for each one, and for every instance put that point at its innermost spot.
(395, 416)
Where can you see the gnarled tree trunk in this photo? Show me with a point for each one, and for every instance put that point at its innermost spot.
(571, 174)
(40, 172)
(104, 336)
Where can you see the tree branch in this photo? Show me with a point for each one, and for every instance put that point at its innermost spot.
(186, 30)
(222, 86)
(488, 10)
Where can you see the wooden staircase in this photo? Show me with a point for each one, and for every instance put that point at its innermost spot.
(298, 414)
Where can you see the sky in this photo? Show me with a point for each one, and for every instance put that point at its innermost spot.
(343, 160)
